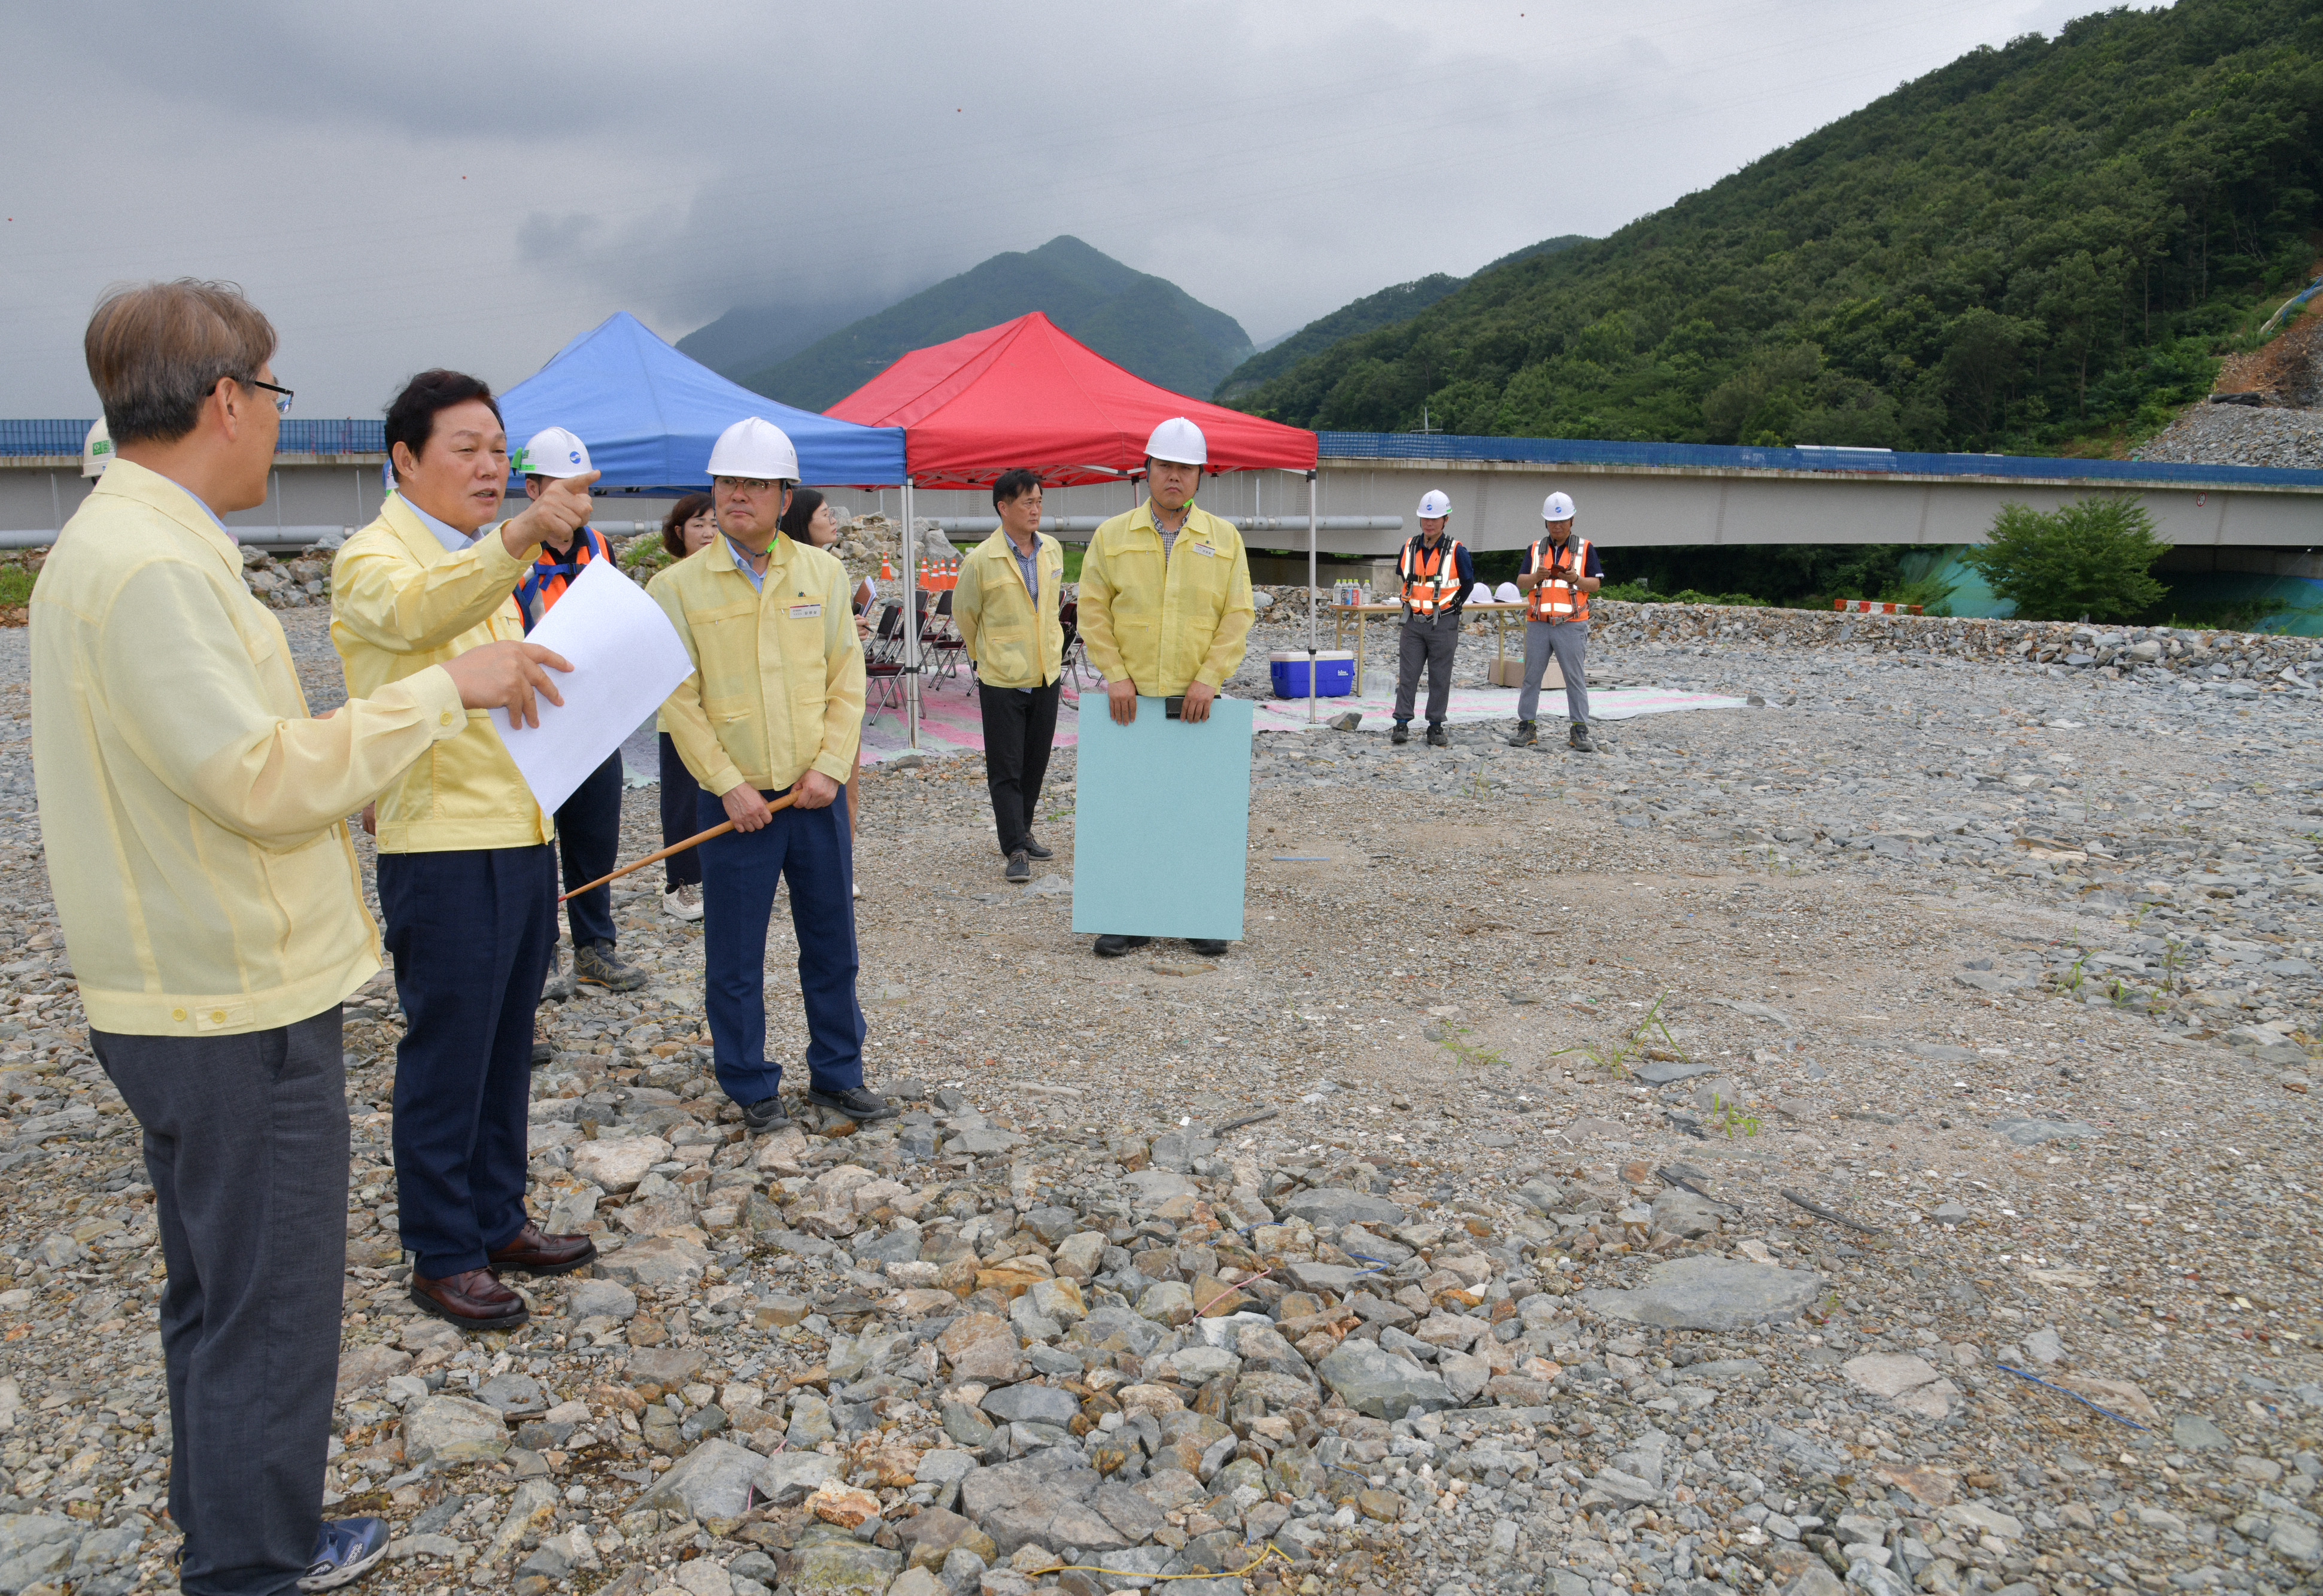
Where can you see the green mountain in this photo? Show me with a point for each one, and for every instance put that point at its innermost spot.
(1383, 309)
(752, 337)
(2043, 247)
(1152, 328)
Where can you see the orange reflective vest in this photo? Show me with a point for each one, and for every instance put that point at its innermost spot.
(1556, 600)
(1430, 584)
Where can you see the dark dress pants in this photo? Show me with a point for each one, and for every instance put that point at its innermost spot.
(1018, 729)
(679, 792)
(246, 1144)
(808, 848)
(470, 932)
(588, 836)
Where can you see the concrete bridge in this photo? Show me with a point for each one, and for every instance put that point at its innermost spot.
(1369, 484)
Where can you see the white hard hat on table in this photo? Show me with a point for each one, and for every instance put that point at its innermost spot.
(1506, 593)
(756, 447)
(1433, 503)
(96, 450)
(553, 453)
(1179, 440)
(1482, 594)
(1557, 507)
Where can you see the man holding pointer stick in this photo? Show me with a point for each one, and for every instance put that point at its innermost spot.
(774, 710)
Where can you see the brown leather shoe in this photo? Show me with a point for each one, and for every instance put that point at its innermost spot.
(537, 1254)
(473, 1300)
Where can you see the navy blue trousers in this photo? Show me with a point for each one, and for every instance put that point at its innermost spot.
(470, 932)
(588, 836)
(810, 848)
(680, 794)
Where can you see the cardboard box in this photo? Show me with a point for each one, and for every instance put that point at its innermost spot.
(1509, 673)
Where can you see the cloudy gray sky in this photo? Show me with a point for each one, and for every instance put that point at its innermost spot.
(445, 183)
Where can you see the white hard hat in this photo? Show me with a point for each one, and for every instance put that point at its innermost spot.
(1482, 594)
(1433, 503)
(1557, 507)
(553, 453)
(756, 447)
(1179, 440)
(1506, 593)
(96, 450)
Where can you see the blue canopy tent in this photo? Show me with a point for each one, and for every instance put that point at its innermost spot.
(649, 415)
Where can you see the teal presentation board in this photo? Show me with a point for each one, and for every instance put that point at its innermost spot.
(1161, 821)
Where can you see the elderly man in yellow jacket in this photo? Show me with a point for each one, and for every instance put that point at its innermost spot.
(1165, 603)
(467, 879)
(1005, 607)
(774, 707)
(194, 818)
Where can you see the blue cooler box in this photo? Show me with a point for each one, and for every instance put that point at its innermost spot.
(1335, 669)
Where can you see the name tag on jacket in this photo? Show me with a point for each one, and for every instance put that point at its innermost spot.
(805, 612)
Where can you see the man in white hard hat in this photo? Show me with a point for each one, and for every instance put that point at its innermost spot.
(1560, 571)
(1434, 575)
(467, 869)
(1165, 601)
(589, 822)
(775, 706)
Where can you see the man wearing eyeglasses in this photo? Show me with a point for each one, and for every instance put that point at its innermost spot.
(774, 707)
(193, 815)
(467, 874)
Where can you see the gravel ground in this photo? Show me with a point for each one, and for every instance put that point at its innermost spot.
(1657, 1156)
(2240, 435)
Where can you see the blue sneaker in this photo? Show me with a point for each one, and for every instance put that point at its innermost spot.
(346, 1550)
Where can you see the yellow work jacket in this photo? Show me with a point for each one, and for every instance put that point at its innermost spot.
(777, 683)
(193, 815)
(400, 603)
(1014, 640)
(1160, 628)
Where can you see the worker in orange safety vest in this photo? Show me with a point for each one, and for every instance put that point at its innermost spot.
(1560, 571)
(1434, 574)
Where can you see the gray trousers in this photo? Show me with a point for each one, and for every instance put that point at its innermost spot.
(1429, 642)
(246, 1142)
(1568, 641)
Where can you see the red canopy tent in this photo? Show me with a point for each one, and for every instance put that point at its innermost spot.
(1024, 394)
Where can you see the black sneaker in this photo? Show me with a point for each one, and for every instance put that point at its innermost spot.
(1401, 733)
(1435, 737)
(1207, 947)
(1579, 738)
(542, 1053)
(765, 1114)
(1037, 848)
(558, 987)
(595, 964)
(856, 1102)
(1527, 733)
(1113, 946)
(345, 1549)
(1019, 869)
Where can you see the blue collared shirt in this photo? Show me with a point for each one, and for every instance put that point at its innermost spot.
(1030, 564)
(453, 540)
(741, 557)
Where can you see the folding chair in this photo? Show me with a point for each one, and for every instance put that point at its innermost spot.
(941, 649)
(1076, 657)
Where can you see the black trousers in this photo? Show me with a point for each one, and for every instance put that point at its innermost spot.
(679, 792)
(246, 1142)
(1018, 727)
(470, 932)
(588, 836)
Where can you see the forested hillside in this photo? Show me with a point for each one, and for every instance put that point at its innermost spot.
(2039, 248)
(1146, 323)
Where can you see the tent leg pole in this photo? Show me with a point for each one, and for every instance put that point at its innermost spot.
(1310, 598)
(911, 623)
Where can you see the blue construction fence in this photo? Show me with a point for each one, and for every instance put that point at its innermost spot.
(1413, 445)
(322, 436)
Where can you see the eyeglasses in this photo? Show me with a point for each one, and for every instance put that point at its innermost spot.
(746, 484)
(281, 405)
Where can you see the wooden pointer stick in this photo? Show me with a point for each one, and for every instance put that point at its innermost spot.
(784, 801)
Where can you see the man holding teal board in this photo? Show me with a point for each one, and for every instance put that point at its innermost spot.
(1165, 609)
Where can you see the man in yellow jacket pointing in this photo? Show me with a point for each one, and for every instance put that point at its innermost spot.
(1005, 607)
(1165, 601)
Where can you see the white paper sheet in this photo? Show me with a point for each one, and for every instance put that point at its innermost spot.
(625, 659)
